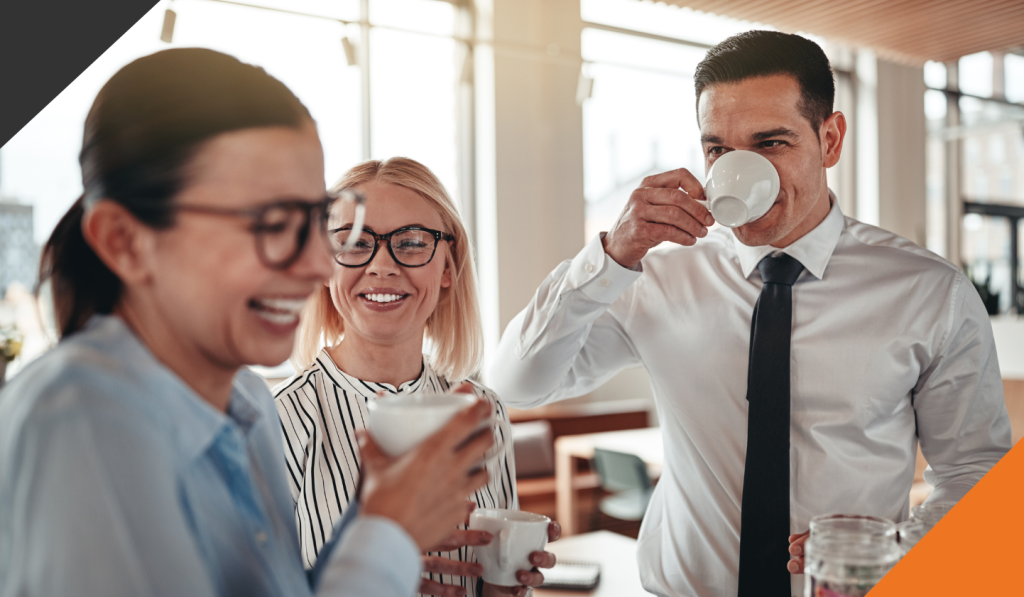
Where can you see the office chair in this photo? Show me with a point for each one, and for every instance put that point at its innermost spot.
(625, 475)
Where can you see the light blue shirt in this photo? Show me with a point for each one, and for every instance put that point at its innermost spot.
(116, 479)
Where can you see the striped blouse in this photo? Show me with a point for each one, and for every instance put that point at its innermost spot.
(320, 409)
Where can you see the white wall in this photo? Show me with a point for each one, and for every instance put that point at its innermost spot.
(530, 205)
(890, 146)
(901, 150)
(1009, 334)
(529, 140)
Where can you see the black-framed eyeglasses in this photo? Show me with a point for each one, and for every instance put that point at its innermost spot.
(410, 246)
(283, 228)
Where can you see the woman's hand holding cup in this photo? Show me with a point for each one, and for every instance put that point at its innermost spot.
(424, 489)
(506, 558)
(441, 565)
(540, 559)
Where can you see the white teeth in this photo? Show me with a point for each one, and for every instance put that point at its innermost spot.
(279, 311)
(278, 304)
(383, 298)
(278, 318)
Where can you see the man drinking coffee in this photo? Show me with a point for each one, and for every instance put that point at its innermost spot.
(796, 360)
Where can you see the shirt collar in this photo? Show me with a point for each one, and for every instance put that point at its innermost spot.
(370, 388)
(194, 422)
(813, 250)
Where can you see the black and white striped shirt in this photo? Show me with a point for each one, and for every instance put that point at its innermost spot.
(320, 410)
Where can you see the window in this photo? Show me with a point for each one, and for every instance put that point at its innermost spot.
(978, 124)
(639, 121)
(641, 117)
(411, 83)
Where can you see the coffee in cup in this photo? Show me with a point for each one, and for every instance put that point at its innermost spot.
(517, 534)
(741, 187)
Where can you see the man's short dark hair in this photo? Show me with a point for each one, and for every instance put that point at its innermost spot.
(766, 53)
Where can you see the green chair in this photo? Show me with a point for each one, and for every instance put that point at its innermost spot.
(625, 476)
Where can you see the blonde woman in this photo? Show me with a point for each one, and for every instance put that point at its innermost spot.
(409, 284)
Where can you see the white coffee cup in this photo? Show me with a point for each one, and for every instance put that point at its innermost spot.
(517, 534)
(399, 423)
(741, 187)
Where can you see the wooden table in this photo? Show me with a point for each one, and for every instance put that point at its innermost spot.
(645, 443)
(615, 553)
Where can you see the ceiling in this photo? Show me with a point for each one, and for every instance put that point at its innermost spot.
(910, 31)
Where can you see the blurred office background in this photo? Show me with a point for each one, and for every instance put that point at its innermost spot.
(541, 116)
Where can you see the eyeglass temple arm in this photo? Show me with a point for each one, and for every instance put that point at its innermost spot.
(357, 224)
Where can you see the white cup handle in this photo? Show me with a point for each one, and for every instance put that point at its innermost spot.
(504, 548)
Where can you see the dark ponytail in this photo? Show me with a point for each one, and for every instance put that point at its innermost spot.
(144, 128)
(80, 284)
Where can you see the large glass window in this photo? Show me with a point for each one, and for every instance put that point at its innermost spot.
(412, 86)
(992, 158)
(976, 74)
(640, 118)
(1013, 66)
(993, 151)
(664, 19)
(412, 78)
(974, 138)
(639, 121)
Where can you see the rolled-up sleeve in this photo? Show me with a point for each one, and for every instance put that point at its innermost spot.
(962, 421)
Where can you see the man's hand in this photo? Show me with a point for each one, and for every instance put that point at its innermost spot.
(664, 208)
(424, 489)
(796, 551)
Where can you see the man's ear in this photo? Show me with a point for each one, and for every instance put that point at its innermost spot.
(122, 242)
(833, 131)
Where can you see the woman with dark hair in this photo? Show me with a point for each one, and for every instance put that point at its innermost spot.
(140, 456)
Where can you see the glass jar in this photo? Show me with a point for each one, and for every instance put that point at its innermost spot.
(931, 513)
(847, 554)
(871, 526)
(909, 532)
(847, 564)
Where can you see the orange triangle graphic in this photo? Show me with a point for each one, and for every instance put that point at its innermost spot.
(976, 549)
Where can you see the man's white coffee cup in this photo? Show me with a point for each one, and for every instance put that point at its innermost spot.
(399, 423)
(741, 187)
(517, 534)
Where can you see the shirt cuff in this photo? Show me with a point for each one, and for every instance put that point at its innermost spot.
(949, 492)
(599, 276)
(383, 551)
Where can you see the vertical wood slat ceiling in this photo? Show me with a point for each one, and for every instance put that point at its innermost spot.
(910, 31)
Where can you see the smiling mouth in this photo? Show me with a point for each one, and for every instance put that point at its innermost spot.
(382, 298)
(279, 311)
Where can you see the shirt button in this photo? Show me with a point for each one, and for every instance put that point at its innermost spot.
(590, 268)
(605, 282)
(261, 537)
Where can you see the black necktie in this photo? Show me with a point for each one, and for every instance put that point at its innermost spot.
(764, 519)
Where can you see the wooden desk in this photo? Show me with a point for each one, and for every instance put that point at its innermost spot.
(573, 418)
(645, 443)
(616, 555)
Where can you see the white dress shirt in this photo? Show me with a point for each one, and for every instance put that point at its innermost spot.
(891, 345)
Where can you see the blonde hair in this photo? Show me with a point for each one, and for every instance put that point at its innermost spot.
(453, 331)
